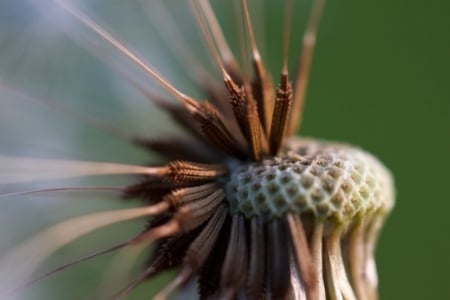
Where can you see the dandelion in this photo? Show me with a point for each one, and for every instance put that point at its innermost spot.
(241, 207)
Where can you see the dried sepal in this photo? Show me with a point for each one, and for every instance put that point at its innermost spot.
(304, 65)
(256, 279)
(262, 85)
(184, 171)
(234, 269)
(278, 263)
(303, 257)
(281, 114)
(216, 132)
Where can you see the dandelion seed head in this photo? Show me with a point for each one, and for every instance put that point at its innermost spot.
(310, 177)
(239, 205)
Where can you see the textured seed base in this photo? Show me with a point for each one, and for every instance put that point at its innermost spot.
(327, 180)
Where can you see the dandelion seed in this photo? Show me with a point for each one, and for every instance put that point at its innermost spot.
(241, 207)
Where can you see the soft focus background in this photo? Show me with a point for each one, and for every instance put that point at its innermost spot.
(380, 80)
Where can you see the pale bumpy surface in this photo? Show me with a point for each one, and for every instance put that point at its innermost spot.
(328, 180)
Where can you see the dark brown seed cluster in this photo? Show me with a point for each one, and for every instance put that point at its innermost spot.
(274, 217)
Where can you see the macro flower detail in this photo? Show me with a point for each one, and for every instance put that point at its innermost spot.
(242, 207)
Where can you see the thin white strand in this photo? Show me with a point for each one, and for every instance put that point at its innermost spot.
(21, 169)
(17, 265)
(119, 270)
(63, 189)
(149, 70)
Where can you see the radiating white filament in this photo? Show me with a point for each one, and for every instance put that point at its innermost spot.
(20, 169)
(21, 261)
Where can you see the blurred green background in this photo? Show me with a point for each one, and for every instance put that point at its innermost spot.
(380, 80)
